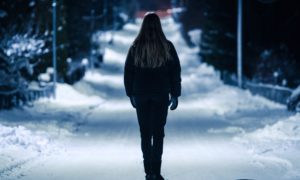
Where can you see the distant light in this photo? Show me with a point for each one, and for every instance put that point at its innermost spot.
(69, 60)
(50, 70)
(284, 82)
(176, 10)
(46, 50)
(85, 61)
(31, 4)
(59, 28)
(2, 14)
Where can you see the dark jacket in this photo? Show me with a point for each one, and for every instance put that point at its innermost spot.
(144, 81)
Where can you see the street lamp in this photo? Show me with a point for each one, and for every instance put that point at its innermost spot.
(239, 43)
(54, 47)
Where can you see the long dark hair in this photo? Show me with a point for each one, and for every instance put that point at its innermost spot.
(151, 44)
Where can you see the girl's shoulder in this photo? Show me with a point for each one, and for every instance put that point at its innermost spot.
(171, 46)
(132, 48)
(169, 43)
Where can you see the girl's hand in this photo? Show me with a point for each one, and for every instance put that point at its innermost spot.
(132, 100)
(173, 102)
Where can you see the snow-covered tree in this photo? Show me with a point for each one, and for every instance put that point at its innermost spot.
(17, 61)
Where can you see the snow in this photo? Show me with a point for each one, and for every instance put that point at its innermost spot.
(195, 36)
(19, 145)
(22, 45)
(176, 10)
(66, 95)
(44, 77)
(102, 37)
(278, 142)
(296, 93)
(90, 130)
(124, 16)
(280, 136)
(22, 137)
(85, 61)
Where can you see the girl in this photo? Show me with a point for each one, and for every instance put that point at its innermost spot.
(151, 75)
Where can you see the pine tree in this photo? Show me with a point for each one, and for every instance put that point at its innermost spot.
(218, 42)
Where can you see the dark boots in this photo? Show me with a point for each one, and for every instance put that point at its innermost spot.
(156, 166)
(157, 177)
(154, 177)
(149, 177)
(152, 170)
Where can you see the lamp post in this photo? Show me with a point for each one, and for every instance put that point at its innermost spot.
(54, 47)
(239, 43)
(92, 18)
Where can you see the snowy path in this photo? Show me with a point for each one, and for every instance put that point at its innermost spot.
(90, 131)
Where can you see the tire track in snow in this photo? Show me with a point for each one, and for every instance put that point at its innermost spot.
(13, 171)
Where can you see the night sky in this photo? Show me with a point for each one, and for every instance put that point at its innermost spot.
(154, 4)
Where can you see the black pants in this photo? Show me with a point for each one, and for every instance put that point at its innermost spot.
(152, 113)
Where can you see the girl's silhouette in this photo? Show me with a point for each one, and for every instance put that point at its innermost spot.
(151, 76)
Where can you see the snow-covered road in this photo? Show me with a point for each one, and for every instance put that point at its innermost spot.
(90, 131)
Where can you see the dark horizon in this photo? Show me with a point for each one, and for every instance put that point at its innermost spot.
(154, 5)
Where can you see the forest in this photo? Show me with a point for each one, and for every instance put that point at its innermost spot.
(270, 37)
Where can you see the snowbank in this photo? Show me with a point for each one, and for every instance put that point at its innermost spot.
(21, 137)
(66, 95)
(225, 100)
(20, 146)
(278, 143)
(279, 137)
(195, 36)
